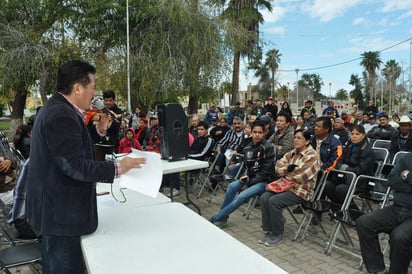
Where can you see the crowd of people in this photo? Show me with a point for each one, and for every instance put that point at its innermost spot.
(275, 144)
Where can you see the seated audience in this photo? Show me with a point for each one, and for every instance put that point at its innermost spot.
(395, 220)
(383, 131)
(203, 145)
(282, 139)
(259, 161)
(22, 140)
(219, 131)
(371, 123)
(339, 131)
(357, 157)
(128, 142)
(301, 166)
(402, 141)
(323, 141)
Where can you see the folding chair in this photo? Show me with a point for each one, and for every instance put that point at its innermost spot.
(347, 217)
(317, 206)
(201, 178)
(231, 172)
(382, 144)
(399, 156)
(381, 158)
(18, 255)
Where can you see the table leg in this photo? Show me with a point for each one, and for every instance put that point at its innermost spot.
(189, 201)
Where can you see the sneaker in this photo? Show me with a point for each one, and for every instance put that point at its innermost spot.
(220, 224)
(274, 240)
(174, 193)
(265, 238)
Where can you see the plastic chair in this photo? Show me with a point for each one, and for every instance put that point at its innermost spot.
(399, 156)
(317, 206)
(233, 171)
(382, 144)
(347, 216)
(18, 255)
(201, 178)
(381, 158)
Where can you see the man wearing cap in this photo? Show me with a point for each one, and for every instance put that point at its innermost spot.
(383, 131)
(402, 141)
(236, 111)
(331, 110)
(272, 108)
(258, 110)
(211, 113)
(308, 108)
(371, 123)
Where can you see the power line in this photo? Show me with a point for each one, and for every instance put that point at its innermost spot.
(345, 62)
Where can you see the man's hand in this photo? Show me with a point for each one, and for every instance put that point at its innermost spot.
(127, 163)
(243, 178)
(104, 123)
(5, 165)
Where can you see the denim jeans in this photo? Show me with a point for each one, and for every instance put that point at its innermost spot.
(397, 222)
(232, 201)
(62, 255)
(272, 205)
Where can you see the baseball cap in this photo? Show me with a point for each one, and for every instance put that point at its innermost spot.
(372, 116)
(237, 103)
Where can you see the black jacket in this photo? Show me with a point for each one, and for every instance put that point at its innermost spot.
(61, 191)
(259, 161)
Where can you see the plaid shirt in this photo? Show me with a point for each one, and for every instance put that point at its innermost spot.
(305, 174)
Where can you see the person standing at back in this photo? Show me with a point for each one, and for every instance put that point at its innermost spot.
(111, 138)
(61, 193)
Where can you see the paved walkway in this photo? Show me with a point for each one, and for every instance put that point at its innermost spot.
(294, 257)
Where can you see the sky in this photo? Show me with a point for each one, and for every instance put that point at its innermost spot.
(321, 33)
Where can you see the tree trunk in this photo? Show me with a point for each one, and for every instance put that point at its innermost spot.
(18, 111)
(43, 81)
(235, 78)
(192, 107)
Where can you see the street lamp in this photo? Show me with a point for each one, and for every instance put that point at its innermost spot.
(129, 104)
(410, 75)
(330, 90)
(297, 89)
(288, 93)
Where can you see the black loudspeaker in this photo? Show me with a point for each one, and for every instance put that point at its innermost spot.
(173, 132)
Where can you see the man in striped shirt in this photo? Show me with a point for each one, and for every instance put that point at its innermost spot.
(230, 142)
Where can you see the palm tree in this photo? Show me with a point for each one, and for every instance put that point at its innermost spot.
(371, 61)
(272, 62)
(356, 93)
(243, 36)
(391, 72)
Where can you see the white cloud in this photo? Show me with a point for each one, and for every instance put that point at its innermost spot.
(327, 10)
(274, 16)
(358, 21)
(405, 15)
(393, 5)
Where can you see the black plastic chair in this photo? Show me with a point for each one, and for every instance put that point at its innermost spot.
(347, 216)
(233, 171)
(313, 209)
(19, 255)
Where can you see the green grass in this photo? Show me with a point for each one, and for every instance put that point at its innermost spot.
(4, 124)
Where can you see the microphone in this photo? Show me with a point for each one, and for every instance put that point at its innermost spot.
(97, 103)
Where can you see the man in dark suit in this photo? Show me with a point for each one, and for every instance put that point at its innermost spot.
(61, 192)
